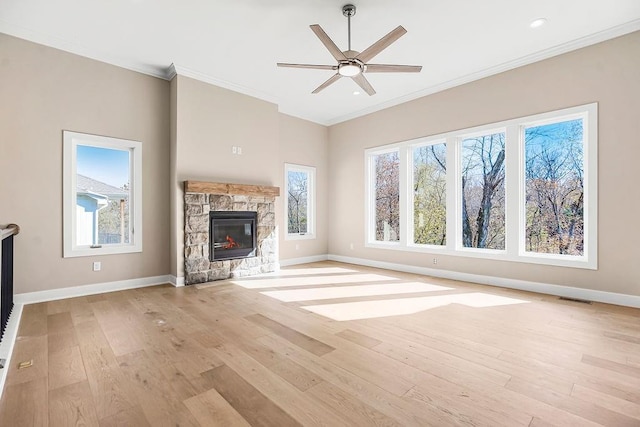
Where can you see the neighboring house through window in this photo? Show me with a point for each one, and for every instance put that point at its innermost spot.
(102, 192)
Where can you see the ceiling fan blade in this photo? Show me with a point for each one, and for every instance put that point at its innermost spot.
(381, 44)
(314, 67)
(331, 80)
(388, 68)
(328, 43)
(364, 84)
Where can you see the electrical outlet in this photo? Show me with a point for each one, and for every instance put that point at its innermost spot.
(435, 260)
(297, 246)
(239, 150)
(97, 265)
(234, 150)
(351, 246)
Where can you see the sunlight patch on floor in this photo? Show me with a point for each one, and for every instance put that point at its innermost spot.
(401, 306)
(279, 282)
(354, 291)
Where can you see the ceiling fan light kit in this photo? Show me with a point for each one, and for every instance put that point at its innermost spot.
(352, 63)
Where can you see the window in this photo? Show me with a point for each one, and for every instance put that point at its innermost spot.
(430, 194)
(387, 196)
(300, 201)
(520, 190)
(102, 195)
(482, 179)
(554, 187)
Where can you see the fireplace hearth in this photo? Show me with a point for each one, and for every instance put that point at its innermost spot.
(232, 235)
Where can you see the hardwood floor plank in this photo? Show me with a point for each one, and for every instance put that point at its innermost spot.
(130, 417)
(29, 349)
(58, 323)
(111, 393)
(62, 341)
(351, 410)
(612, 366)
(583, 409)
(66, 367)
(385, 372)
(159, 402)
(301, 340)
(252, 405)
(358, 338)
(608, 401)
(72, 405)
(210, 408)
(296, 375)
(33, 322)
(25, 404)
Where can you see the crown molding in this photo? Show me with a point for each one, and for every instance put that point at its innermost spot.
(586, 41)
(175, 69)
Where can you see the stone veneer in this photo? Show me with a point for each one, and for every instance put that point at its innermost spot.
(198, 268)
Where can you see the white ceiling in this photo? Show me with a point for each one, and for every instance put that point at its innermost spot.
(236, 44)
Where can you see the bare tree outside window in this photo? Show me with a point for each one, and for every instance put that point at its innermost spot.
(483, 192)
(297, 198)
(387, 196)
(554, 188)
(430, 195)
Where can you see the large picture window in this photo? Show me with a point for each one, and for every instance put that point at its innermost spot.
(430, 194)
(519, 190)
(483, 209)
(102, 191)
(300, 201)
(387, 196)
(554, 187)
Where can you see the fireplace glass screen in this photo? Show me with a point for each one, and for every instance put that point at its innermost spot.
(232, 235)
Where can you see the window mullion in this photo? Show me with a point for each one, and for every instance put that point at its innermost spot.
(454, 195)
(514, 190)
(406, 199)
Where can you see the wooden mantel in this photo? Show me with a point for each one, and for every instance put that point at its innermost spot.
(225, 188)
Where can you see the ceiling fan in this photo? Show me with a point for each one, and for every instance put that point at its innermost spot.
(352, 63)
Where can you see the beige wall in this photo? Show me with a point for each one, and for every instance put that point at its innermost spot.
(44, 91)
(606, 73)
(211, 120)
(305, 143)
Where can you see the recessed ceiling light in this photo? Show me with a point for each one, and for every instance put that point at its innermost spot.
(537, 23)
(355, 92)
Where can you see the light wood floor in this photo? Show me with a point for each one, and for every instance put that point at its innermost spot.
(255, 352)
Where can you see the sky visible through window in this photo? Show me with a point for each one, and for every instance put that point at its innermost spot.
(106, 165)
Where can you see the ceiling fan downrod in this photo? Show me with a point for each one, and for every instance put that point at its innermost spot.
(348, 10)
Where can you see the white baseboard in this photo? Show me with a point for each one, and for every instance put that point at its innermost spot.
(8, 341)
(523, 285)
(97, 288)
(177, 281)
(303, 260)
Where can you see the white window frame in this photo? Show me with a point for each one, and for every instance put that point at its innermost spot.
(370, 211)
(71, 140)
(311, 201)
(426, 142)
(514, 191)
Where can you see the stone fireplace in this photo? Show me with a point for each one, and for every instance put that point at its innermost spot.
(230, 230)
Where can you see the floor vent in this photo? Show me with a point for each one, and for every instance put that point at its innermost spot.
(582, 301)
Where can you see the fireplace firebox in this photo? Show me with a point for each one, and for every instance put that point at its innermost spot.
(232, 234)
